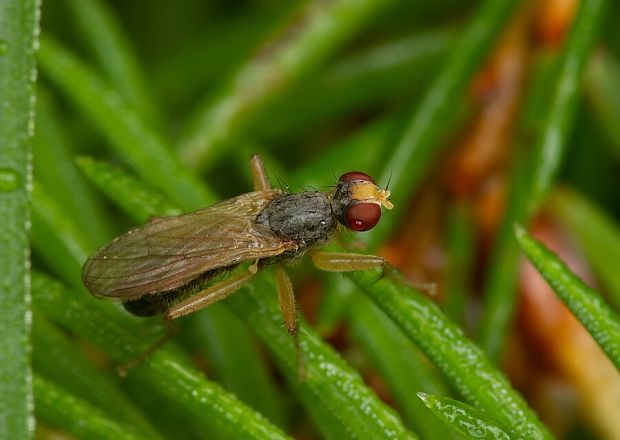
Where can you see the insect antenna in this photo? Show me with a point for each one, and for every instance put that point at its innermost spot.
(389, 180)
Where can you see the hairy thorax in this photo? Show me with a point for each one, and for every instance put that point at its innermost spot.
(305, 218)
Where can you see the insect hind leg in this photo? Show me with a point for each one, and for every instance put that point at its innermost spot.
(171, 331)
(208, 296)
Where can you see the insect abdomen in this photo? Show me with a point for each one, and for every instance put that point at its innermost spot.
(159, 302)
(151, 305)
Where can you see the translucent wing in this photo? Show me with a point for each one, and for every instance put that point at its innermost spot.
(168, 252)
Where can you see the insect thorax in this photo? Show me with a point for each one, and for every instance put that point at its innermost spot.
(305, 218)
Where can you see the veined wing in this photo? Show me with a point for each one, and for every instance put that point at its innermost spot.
(168, 252)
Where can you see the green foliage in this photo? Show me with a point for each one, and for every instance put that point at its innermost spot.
(102, 324)
(596, 232)
(437, 112)
(54, 405)
(468, 421)
(139, 118)
(585, 303)
(19, 26)
(125, 129)
(461, 361)
(549, 116)
(313, 32)
(602, 85)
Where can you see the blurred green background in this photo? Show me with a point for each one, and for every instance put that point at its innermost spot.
(478, 114)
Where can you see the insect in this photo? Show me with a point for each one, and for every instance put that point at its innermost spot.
(152, 267)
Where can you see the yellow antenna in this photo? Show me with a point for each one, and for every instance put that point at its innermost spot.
(368, 192)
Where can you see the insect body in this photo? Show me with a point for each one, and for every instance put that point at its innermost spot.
(150, 267)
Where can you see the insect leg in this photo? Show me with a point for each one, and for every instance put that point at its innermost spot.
(208, 296)
(171, 332)
(259, 175)
(286, 297)
(345, 262)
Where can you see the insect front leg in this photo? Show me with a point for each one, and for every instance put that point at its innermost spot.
(208, 296)
(259, 175)
(345, 262)
(286, 297)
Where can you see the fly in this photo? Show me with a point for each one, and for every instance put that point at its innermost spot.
(152, 267)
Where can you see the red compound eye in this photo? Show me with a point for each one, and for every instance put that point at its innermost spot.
(363, 216)
(356, 175)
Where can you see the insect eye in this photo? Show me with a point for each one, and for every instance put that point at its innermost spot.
(356, 175)
(362, 216)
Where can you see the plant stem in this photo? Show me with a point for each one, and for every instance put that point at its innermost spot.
(19, 28)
